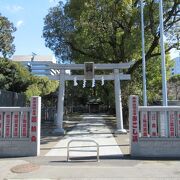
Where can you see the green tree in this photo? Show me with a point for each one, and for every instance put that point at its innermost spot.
(15, 77)
(109, 32)
(7, 48)
(174, 87)
(41, 86)
(56, 35)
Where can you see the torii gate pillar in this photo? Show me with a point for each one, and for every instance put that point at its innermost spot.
(60, 109)
(118, 103)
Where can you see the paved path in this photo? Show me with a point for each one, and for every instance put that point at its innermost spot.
(90, 128)
(104, 170)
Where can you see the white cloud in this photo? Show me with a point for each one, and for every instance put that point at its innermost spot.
(19, 23)
(14, 8)
(53, 1)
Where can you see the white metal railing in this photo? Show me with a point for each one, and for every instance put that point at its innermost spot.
(159, 121)
(75, 150)
(14, 122)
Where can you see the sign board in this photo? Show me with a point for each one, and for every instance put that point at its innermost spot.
(178, 122)
(34, 118)
(163, 124)
(134, 119)
(7, 125)
(1, 124)
(24, 123)
(89, 70)
(153, 124)
(144, 124)
(15, 121)
(171, 124)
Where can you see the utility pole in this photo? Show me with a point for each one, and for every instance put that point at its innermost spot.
(163, 63)
(143, 56)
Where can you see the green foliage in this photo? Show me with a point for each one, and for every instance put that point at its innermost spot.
(55, 34)
(15, 77)
(174, 87)
(80, 96)
(106, 31)
(32, 90)
(7, 47)
(110, 32)
(175, 79)
(153, 81)
(41, 86)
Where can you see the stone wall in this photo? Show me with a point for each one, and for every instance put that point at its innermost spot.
(154, 130)
(20, 130)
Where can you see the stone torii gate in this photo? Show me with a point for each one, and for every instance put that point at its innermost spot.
(58, 73)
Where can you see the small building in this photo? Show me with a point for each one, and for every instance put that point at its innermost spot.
(35, 61)
(94, 105)
(176, 69)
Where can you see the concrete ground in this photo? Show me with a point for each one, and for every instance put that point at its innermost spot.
(48, 140)
(90, 130)
(83, 168)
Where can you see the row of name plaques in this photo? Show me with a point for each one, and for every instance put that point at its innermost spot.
(14, 125)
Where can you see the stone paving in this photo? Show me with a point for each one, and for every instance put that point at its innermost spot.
(90, 128)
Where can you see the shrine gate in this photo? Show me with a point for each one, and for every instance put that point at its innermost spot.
(58, 72)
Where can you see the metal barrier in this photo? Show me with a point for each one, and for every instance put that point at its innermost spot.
(78, 140)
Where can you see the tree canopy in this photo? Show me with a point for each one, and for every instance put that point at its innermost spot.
(15, 77)
(109, 31)
(7, 29)
(174, 87)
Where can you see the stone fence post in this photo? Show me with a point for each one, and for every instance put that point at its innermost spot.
(35, 124)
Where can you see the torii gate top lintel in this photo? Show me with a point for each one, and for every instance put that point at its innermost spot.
(96, 66)
(58, 70)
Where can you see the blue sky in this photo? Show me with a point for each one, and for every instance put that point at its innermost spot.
(27, 16)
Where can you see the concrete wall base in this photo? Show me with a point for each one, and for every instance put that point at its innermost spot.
(17, 148)
(156, 147)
